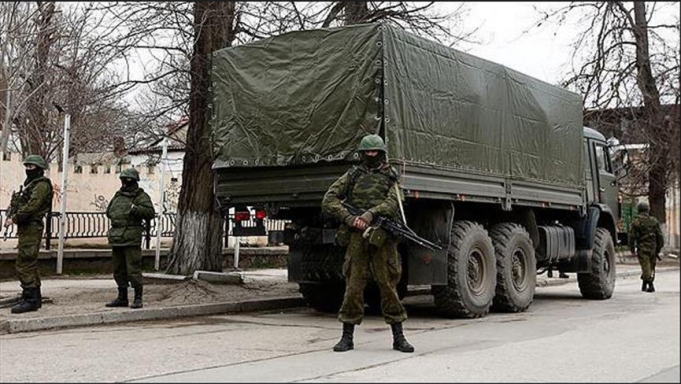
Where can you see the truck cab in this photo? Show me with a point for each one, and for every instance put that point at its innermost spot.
(601, 181)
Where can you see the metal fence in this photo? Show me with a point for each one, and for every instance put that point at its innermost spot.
(82, 225)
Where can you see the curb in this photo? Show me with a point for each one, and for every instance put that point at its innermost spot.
(558, 281)
(39, 324)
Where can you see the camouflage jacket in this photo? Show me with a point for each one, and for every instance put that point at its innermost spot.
(127, 222)
(645, 234)
(369, 189)
(35, 201)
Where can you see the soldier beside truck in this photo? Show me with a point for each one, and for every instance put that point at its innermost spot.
(494, 166)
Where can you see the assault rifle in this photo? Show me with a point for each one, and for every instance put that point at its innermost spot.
(395, 229)
(13, 208)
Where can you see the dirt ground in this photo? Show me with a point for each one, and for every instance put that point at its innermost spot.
(79, 296)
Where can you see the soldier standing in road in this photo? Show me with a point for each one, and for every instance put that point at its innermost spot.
(371, 186)
(645, 236)
(29, 209)
(128, 210)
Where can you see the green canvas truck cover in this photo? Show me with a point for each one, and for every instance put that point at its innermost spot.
(310, 96)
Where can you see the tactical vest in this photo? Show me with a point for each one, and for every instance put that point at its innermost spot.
(369, 187)
(119, 210)
(46, 205)
(126, 230)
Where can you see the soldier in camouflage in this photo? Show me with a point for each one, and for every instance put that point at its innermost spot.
(27, 213)
(371, 186)
(128, 210)
(646, 241)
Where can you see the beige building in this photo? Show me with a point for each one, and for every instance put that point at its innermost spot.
(92, 181)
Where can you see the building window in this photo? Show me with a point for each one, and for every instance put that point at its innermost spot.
(118, 168)
(78, 169)
(7, 156)
(93, 169)
(150, 169)
(107, 169)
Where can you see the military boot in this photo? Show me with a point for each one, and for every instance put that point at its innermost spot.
(121, 300)
(137, 303)
(400, 343)
(345, 343)
(30, 302)
(651, 287)
(644, 286)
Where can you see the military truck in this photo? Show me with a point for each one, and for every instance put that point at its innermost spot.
(494, 165)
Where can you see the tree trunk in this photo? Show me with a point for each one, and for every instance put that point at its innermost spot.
(656, 129)
(198, 233)
(37, 107)
(356, 12)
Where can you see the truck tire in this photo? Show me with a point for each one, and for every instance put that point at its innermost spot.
(516, 268)
(322, 263)
(471, 273)
(324, 297)
(600, 283)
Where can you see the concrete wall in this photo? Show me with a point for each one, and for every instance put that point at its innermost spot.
(91, 189)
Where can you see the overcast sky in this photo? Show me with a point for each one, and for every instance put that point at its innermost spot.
(538, 53)
(543, 53)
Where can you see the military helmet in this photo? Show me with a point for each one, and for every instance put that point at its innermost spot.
(372, 143)
(130, 173)
(643, 207)
(36, 160)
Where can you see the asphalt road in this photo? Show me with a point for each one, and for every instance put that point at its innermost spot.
(562, 338)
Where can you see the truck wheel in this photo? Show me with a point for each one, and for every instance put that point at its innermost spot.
(471, 273)
(600, 283)
(516, 268)
(324, 297)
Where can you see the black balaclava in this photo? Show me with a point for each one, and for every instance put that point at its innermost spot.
(33, 174)
(374, 161)
(128, 184)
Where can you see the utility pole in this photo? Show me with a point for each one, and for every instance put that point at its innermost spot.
(159, 215)
(62, 192)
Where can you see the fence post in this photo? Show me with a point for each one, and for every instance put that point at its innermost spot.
(48, 230)
(226, 245)
(147, 233)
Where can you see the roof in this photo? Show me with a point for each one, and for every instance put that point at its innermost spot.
(177, 135)
(593, 134)
(157, 149)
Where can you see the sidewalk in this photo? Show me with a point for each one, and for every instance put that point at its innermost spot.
(79, 301)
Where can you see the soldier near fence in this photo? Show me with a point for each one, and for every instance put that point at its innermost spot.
(27, 210)
(371, 186)
(128, 210)
(646, 242)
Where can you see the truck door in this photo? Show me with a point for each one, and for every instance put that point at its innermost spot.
(589, 171)
(607, 181)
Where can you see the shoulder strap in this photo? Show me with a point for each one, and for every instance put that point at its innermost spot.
(393, 174)
(353, 175)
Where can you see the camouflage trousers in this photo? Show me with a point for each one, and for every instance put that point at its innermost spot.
(27, 259)
(127, 264)
(648, 260)
(364, 262)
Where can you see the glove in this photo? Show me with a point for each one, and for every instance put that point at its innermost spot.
(350, 221)
(368, 217)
